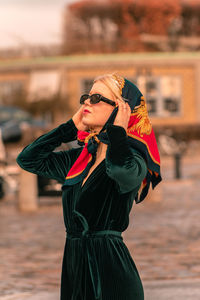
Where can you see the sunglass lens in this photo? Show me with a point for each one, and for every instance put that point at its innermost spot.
(83, 98)
(95, 98)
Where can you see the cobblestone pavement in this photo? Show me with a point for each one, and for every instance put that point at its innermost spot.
(163, 237)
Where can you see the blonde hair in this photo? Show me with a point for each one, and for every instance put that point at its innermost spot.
(114, 82)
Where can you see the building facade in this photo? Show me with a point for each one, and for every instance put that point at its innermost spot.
(170, 83)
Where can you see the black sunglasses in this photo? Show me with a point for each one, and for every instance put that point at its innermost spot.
(96, 98)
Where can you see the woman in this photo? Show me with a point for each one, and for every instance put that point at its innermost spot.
(118, 158)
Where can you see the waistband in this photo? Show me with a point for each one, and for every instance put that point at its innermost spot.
(91, 234)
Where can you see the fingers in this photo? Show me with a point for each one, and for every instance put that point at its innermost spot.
(128, 108)
(123, 114)
(123, 107)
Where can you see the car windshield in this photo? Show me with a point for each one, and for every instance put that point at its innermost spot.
(7, 114)
(4, 115)
(21, 115)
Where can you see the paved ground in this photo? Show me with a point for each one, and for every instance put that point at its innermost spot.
(154, 290)
(163, 238)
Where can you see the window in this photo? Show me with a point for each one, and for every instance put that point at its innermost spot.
(43, 85)
(10, 90)
(162, 94)
(86, 85)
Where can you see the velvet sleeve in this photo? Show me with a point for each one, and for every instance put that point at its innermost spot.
(124, 164)
(39, 158)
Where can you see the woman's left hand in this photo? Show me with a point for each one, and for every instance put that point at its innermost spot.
(123, 114)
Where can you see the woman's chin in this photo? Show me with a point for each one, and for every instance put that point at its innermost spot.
(86, 122)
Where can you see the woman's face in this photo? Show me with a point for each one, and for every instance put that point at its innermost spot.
(98, 113)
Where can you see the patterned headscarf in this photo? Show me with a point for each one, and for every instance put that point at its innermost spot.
(140, 136)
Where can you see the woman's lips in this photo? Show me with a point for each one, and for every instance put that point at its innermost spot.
(86, 111)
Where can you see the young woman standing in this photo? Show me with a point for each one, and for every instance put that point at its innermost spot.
(115, 164)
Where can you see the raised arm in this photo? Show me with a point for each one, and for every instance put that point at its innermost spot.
(39, 158)
(123, 163)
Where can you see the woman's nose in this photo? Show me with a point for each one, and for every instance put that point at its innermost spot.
(87, 101)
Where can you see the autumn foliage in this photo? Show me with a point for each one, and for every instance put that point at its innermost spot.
(124, 25)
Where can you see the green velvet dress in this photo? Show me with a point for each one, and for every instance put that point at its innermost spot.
(97, 264)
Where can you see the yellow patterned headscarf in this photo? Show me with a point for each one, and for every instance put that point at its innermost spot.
(140, 133)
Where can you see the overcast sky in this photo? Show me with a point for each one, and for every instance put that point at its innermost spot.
(30, 21)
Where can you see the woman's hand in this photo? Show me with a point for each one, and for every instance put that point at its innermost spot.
(77, 119)
(123, 114)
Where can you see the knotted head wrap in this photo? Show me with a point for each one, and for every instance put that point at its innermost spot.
(140, 136)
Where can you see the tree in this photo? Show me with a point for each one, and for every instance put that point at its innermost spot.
(120, 25)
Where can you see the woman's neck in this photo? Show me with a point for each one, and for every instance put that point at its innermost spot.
(101, 151)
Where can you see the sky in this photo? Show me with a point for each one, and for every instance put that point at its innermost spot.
(30, 22)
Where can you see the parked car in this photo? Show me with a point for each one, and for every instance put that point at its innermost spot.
(14, 119)
(15, 123)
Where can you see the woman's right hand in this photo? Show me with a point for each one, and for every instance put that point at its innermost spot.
(77, 119)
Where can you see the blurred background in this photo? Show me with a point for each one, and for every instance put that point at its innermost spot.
(50, 52)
